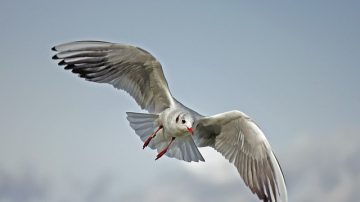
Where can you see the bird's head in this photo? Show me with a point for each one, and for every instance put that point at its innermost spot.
(184, 123)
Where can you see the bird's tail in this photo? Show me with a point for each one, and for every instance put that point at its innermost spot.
(143, 124)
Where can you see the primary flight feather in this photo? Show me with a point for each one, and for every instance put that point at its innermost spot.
(170, 127)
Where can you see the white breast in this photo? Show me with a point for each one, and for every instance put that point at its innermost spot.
(168, 120)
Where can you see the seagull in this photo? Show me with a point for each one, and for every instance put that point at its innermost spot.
(169, 126)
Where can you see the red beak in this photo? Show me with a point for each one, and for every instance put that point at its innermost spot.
(191, 131)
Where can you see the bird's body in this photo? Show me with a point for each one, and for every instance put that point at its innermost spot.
(170, 127)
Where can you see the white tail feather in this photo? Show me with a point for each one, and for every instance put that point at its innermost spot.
(144, 125)
(184, 148)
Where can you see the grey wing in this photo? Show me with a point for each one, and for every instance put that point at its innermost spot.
(125, 67)
(242, 142)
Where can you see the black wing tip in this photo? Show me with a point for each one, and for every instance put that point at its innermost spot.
(82, 76)
(76, 71)
(67, 67)
(62, 62)
(53, 48)
(55, 57)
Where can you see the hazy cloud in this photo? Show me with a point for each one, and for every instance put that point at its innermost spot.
(324, 168)
(316, 169)
(23, 187)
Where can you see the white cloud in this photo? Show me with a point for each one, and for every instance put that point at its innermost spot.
(324, 168)
(316, 169)
(215, 169)
(20, 187)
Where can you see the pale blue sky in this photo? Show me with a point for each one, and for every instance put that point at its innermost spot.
(292, 66)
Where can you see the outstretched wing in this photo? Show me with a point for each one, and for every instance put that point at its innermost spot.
(125, 67)
(242, 142)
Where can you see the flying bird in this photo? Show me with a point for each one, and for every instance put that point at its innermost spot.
(170, 127)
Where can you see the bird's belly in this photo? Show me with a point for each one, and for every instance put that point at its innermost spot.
(180, 134)
(172, 132)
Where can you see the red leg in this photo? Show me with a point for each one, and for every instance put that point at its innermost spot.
(162, 152)
(147, 141)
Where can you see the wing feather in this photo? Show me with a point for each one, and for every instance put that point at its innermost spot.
(242, 142)
(125, 67)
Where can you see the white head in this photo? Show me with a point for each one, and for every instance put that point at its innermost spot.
(184, 122)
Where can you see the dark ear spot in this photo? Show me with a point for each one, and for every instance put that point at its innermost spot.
(183, 121)
(177, 119)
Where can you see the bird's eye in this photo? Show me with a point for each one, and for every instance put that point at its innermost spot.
(177, 119)
(183, 121)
